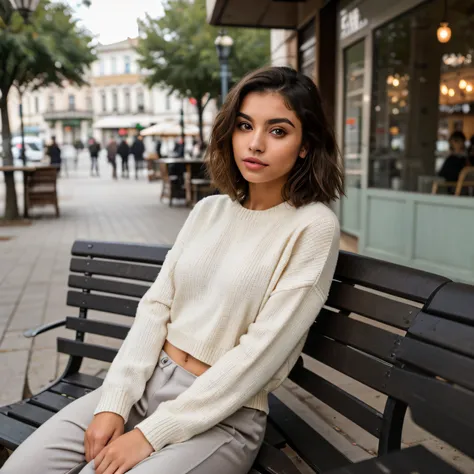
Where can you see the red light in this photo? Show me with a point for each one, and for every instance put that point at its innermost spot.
(193, 101)
(18, 145)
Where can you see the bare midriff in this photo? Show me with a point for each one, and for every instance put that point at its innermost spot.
(185, 360)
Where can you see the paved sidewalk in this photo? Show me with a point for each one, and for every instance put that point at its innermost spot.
(34, 263)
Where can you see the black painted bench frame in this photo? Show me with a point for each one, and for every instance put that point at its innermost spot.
(354, 346)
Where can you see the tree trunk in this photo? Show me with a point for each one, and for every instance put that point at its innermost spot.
(11, 204)
(200, 110)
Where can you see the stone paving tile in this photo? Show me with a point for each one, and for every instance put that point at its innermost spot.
(12, 375)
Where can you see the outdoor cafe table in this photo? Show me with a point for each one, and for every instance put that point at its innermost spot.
(26, 170)
(188, 162)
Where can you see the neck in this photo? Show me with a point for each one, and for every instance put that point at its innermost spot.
(263, 196)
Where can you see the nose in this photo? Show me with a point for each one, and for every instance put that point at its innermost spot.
(256, 144)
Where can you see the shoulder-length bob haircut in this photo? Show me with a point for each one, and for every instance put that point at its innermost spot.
(318, 177)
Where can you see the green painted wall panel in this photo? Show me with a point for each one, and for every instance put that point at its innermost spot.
(389, 234)
(443, 235)
(350, 208)
(433, 233)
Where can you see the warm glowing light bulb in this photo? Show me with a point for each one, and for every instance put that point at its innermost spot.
(444, 89)
(469, 88)
(444, 32)
(390, 80)
(462, 84)
(451, 92)
(396, 82)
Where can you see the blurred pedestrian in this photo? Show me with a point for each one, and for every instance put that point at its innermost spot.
(124, 152)
(112, 156)
(158, 147)
(54, 153)
(138, 150)
(94, 149)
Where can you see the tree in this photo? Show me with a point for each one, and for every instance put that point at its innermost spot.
(178, 52)
(51, 49)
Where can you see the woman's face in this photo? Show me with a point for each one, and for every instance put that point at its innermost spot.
(267, 139)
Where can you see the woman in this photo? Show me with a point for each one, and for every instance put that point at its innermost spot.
(227, 317)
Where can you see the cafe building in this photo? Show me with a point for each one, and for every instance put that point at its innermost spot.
(397, 79)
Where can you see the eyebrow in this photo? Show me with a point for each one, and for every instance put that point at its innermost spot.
(270, 122)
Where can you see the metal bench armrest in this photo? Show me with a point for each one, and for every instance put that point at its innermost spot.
(41, 329)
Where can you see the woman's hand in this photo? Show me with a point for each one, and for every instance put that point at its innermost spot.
(105, 428)
(123, 454)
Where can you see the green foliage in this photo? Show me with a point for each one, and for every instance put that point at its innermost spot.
(50, 49)
(178, 51)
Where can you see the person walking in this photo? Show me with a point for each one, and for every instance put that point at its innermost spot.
(54, 153)
(228, 316)
(138, 151)
(112, 156)
(94, 149)
(124, 152)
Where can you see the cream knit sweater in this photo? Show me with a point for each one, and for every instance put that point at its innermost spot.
(239, 291)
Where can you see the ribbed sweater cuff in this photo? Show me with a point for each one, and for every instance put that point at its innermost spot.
(162, 431)
(115, 401)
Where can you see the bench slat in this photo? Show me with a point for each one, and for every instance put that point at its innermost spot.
(107, 286)
(348, 298)
(154, 254)
(351, 407)
(50, 401)
(315, 450)
(416, 459)
(274, 437)
(451, 335)
(101, 328)
(13, 432)
(29, 414)
(272, 460)
(454, 301)
(108, 304)
(82, 349)
(358, 334)
(84, 380)
(129, 271)
(63, 388)
(397, 280)
(355, 364)
(439, 362)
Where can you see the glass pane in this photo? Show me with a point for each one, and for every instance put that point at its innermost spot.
(422, 93)
(353, 110)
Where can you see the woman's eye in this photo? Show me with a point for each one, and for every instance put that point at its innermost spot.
(244, 126)
(279, 132)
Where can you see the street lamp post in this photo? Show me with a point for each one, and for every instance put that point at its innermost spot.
(224, 45)
(25, 7)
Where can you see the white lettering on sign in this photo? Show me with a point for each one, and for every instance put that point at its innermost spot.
(456, 108)
(352, 22)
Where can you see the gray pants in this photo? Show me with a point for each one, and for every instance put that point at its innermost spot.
(58, 446)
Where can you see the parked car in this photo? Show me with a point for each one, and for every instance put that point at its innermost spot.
(34, 149)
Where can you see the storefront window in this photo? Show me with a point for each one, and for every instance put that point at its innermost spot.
(307, 50)
(354, 93)
(422, 91)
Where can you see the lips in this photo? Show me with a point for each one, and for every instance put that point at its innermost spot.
(255, 161)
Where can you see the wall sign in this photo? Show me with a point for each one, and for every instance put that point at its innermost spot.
(352, 22)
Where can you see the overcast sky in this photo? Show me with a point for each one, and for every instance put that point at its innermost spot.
(115, 20)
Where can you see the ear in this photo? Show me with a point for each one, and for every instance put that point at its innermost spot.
(303, 151)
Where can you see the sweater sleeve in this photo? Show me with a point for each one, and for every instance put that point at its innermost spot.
(137, 358)
(247, 369)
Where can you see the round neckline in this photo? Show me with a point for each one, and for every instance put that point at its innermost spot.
(270, 210)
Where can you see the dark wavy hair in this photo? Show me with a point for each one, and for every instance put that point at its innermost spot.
(318, 177)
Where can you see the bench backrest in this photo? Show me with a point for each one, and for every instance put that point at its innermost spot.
(369, 309)
(437, 375)
(106, 278)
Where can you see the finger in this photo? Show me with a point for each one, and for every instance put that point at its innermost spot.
(97, 447)
(112, 468)
(87, 449)
(116, 435)
(100, 462)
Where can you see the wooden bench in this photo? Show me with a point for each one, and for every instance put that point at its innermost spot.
(361, 333)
